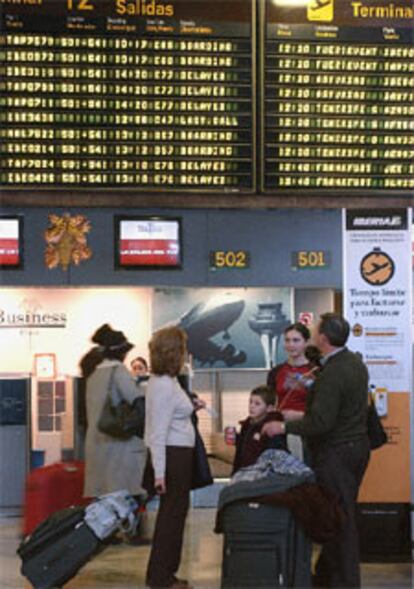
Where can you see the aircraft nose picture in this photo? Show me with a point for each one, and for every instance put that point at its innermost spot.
(204, 321)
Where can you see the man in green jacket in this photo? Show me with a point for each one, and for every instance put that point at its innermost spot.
(334, 426)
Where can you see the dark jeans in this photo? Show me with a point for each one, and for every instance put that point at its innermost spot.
(169, 528)
(341, 469)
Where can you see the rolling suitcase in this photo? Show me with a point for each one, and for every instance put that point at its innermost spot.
(68, 539)
(263, 547)
(58, 548)
(51, 488)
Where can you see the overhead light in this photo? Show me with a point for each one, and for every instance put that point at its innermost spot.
(290, 3)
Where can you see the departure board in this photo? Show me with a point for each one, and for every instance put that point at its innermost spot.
(143, 94)
(339, 96)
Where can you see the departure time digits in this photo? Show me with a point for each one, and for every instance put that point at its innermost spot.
(178, 112)
(97, 110)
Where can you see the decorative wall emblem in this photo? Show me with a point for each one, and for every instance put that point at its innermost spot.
(66, 241)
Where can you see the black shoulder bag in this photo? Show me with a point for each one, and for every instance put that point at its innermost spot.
(376, 433)
(124, 420)
(202, 476)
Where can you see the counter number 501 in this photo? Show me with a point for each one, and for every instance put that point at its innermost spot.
(311, 259)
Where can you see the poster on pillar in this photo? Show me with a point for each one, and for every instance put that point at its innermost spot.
(377, 304)
(228, 327)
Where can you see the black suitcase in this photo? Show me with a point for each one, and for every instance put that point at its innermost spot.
(58, 548)
(263, 547)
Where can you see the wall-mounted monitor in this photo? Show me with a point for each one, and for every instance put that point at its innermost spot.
(11, 241)
(148, 242)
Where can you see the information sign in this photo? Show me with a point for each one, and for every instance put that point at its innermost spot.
(339, 96)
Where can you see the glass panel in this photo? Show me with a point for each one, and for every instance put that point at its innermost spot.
(45, 406)
(45, 423)
(45, 389)
(60, 405)
(58, 423)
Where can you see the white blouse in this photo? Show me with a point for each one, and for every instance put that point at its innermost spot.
(168, 411)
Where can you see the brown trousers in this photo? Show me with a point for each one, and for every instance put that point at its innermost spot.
(169, 527)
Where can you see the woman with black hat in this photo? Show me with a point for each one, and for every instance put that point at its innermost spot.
(111, 463)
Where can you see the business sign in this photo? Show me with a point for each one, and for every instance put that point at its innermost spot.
(48, 330)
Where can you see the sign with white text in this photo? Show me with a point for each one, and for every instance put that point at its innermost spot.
(377, 304)
(377, 293)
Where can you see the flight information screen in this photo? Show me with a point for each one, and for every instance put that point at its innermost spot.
(152, 242)
(339, 96)
(143, 94)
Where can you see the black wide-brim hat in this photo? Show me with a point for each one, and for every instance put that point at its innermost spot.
(110, 339)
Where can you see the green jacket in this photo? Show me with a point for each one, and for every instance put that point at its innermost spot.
(336, 410)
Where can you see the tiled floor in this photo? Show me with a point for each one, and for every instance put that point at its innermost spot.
(123, 567)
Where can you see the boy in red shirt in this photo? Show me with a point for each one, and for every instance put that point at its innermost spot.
(249, 443)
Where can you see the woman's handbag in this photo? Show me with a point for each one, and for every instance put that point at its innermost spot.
(201, 475)
(148, 478)
(201, 469)
(376, 433)
(124, 420)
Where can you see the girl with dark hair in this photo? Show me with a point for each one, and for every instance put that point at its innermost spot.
(291, 379)
(111, 464)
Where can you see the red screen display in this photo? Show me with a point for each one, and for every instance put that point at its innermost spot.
(9, 242)
(149, 242)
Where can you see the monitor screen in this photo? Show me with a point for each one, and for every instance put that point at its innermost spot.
(150, 242)
(11, 241)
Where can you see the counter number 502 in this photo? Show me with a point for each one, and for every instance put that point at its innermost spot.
(229, 259)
